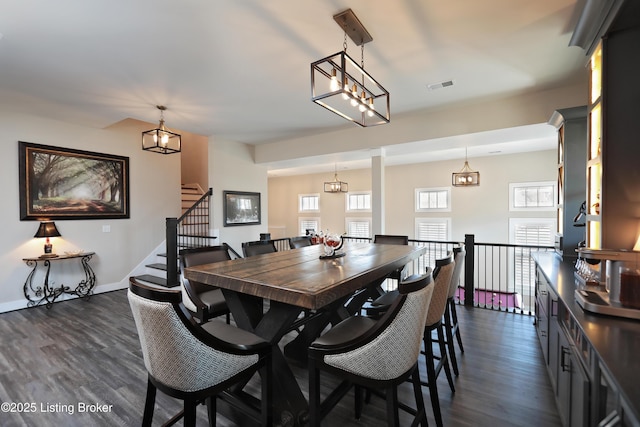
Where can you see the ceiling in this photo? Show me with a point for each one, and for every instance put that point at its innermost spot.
(240, 69)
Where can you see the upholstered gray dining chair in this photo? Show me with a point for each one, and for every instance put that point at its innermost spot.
(375, 354)
(205, 301)
(194, 362)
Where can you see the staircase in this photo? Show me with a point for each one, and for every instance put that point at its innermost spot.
(191, 230)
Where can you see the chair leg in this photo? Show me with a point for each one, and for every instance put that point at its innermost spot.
(211, 410)
(454, 324)
(358, 401)
(314, 395)
(421, 412)
(431, 378)
(393, 418)
(444, 358)
(449, 333)
(266, 402)
(189, 413)
(149, 404)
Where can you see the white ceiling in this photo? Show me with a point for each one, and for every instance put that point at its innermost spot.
(240, 69)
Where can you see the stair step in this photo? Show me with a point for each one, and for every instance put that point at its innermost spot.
(190, 196)
(154, 280)
(158, 266)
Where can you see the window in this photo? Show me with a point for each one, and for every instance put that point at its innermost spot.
(308, 202)
(433, 199)
(433, 228)
(305, 224)
(358, 227)
(528, 232)
(359, 202)
(430, 229)
(532, 196)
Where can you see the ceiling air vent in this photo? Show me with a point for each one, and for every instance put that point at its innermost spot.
(440, 85)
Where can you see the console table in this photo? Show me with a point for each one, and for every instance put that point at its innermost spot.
(44, 293)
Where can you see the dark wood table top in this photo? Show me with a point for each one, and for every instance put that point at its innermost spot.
(299, 277)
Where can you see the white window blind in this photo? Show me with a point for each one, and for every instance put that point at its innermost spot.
(358, 227)
(427, 230)
(305, 224)
(528, 232)
(533, 234)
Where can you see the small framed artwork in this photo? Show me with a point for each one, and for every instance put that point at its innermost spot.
(62, 183)
(241, 208)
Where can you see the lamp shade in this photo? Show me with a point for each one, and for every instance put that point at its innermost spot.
(47, 229)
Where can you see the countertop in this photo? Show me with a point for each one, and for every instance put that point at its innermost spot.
(615, 340)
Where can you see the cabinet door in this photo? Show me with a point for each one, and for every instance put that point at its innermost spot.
(579, 392)
(564, 378)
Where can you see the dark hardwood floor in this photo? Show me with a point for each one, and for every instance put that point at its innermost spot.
(55, 363)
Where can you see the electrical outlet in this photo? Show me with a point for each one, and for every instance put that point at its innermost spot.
(106, 229)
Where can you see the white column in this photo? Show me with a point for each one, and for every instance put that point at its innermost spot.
(377, 193)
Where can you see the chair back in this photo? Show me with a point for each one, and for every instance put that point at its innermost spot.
(204, 255)
(173, 354)
(299, 242)
(459, 254)
(441, 279)
(394, 347)
(389, 239)
(199, 256)
(258, 247)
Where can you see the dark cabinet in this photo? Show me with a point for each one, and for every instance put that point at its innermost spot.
(572, 152)
(563, 349)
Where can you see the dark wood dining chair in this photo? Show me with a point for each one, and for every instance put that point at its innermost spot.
(299, 242)
(197, 362)
(390, 239)
(378, 355)
(205, 301)
(258, 247)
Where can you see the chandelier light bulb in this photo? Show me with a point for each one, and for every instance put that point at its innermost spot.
(333, 84)
(354, 94)
(363, 102)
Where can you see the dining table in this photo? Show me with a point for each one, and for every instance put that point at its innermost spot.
(300, 292)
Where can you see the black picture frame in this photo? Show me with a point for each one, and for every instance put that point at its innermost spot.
(241, 208)
(59, 183)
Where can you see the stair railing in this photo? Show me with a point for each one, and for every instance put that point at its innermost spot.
(177, 236)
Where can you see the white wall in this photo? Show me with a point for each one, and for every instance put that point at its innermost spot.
(231, 167)
(483, 211)
(154, 195)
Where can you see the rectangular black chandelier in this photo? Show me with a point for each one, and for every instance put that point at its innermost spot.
(359, 98)
(342, 86)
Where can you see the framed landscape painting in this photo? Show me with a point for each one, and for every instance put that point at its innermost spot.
(241, 208)
(62, 183)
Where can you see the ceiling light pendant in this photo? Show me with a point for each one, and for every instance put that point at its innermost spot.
(467, 177)
(349, 101)
(336, 186)
(161, 139)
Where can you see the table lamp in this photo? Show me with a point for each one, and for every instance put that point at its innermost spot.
(47, 229)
